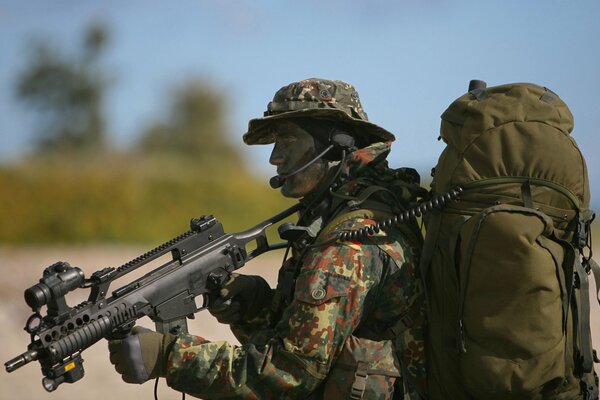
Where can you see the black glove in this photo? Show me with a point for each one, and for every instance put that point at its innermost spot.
(243, 297)
(142, 355)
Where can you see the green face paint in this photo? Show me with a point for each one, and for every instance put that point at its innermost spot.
(294, 147)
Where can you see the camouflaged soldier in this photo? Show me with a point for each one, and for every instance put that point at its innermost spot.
(347, 317)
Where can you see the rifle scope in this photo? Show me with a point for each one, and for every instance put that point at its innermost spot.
(59, 279)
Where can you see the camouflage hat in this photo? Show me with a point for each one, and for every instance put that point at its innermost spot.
(316, 98)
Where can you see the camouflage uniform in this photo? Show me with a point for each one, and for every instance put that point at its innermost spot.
(322, 340)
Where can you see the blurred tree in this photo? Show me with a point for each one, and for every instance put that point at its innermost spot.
(194, 127)
(68, 92)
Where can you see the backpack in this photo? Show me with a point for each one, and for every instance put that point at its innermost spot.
(506, 267)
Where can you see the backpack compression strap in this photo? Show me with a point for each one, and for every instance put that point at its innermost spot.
(584, 265)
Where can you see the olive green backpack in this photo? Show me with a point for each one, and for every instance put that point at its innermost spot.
(506, 267)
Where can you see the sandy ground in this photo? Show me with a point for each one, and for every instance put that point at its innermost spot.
(22, 267)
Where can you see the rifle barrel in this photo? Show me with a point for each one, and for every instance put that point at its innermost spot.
(19, 361)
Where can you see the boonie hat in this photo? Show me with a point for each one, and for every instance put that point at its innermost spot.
(316, 98)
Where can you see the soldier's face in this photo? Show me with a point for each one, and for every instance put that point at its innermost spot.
(294, 147)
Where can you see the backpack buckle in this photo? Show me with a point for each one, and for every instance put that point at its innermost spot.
(584, 224)
(582, 233)
(360, 381)
(589, 392)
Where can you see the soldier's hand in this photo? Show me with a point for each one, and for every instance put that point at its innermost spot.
(241, 298)
(140, 356)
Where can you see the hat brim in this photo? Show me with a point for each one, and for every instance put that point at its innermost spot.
(258, 134)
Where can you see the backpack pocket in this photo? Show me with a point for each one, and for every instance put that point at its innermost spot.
(365, 368)
(512, 304)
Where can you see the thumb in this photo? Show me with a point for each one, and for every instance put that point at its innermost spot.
(230, 288)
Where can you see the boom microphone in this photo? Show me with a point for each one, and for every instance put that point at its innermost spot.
(278, 180)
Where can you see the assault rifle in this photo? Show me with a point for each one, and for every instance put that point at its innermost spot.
(202, 260)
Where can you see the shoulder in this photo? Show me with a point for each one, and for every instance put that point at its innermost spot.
(362, 235)
(348, 256)
(352, 221)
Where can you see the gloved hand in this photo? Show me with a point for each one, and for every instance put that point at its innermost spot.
(142, 355)
(249, 295)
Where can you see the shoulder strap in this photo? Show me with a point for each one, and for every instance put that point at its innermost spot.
(408, 320)
(584, 265)
(347, 215)
(583, 241)
(365, 194)
(431, 238)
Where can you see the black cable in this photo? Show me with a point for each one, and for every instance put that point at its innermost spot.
(437, 202)
(308, 164)
(319, 196)
(156, 391)
(278, 180)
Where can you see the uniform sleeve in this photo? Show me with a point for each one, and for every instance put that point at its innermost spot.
(256, 330)
(329, 297)
(408, 305)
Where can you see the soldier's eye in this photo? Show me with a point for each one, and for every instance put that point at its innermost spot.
(287, 138)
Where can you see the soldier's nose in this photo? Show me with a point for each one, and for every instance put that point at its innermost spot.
(276, 159)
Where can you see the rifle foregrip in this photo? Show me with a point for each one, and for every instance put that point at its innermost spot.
(80, 339)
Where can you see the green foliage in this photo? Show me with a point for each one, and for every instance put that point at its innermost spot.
(194, 127)
(68, 93)
(74, 190)
(125, 199)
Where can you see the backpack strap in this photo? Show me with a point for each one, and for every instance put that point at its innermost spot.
(583, 317)
(431, 238)
(346, 215)
(355, 203)
(584, 241)
(526, 194)
(406, 321)
(584, 265)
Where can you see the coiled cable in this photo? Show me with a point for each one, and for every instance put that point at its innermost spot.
(437, 202)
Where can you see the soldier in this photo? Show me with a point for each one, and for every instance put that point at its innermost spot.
(346, 319)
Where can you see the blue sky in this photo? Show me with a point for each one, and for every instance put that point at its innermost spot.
(408, 59)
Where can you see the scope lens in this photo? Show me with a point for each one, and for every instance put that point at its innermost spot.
(37, 295)
(56, 283)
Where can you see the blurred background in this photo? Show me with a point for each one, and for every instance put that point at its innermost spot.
(121, 120)
(149, 99)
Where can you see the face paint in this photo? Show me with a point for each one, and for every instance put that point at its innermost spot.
(294, 147)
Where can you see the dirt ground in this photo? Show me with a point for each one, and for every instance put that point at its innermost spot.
(22, 267)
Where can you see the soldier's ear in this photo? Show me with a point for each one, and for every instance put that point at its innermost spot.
(342, 142)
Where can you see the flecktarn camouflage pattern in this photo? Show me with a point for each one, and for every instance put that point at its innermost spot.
(316, 98)
(324, 343)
